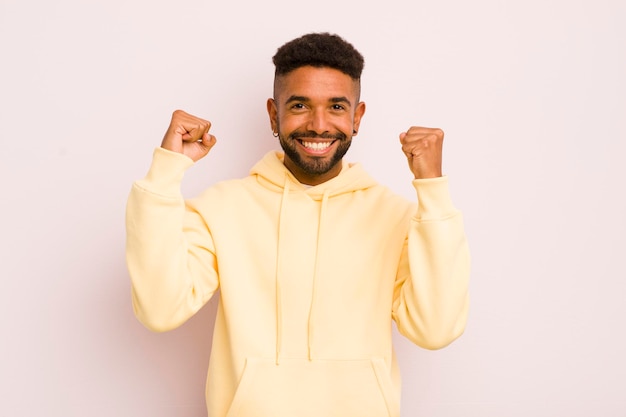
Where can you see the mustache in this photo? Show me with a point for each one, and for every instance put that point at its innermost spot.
(302, 134)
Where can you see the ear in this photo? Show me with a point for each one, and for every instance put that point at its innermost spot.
(272, 112)
(358, 114)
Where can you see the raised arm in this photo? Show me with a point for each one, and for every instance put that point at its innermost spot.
(431, 298)
(169, 250)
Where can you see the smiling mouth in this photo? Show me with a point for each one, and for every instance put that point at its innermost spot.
(316, 146)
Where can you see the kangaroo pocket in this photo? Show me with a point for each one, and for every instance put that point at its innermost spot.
(302, 388)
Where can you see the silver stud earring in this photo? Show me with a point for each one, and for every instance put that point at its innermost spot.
(275, 134)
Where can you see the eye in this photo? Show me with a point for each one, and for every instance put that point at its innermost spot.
(338, 107)
(298, 106)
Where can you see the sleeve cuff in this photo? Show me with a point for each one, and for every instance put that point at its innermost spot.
(434, 201)
(166, 173)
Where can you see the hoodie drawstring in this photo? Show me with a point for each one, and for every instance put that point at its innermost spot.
(315, 273)
(272, 174)
(279, 306)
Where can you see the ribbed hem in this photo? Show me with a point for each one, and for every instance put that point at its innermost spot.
(166, 173)
(433, 196)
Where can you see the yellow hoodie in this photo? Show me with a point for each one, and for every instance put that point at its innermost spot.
(309, 279)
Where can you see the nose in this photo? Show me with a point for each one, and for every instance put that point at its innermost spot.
(318, 122)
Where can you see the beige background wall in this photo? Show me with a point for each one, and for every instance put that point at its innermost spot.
(531, 96)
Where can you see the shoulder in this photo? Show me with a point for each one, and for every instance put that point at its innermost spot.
(386, 202)
(224, 189)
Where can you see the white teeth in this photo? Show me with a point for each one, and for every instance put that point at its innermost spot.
(317, 146)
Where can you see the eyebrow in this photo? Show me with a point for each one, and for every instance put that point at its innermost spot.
(306, 99)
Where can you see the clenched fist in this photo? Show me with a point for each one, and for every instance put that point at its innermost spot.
(423, 148)
(188, 135)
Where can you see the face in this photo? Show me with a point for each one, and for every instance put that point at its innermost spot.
(315, 111)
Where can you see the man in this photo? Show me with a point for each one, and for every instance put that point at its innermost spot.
(314, 259)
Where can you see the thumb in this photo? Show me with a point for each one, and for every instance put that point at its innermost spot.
(208, 141)
(197, 150)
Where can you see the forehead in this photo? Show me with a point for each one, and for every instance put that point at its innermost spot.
(316, 84)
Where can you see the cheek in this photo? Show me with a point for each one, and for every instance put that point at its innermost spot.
(345, 124)
(289, 123)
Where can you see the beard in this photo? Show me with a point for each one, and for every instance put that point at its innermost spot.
(314, 166)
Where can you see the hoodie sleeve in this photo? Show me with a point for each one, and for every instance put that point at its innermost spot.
(431, 297)
(169, 250)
